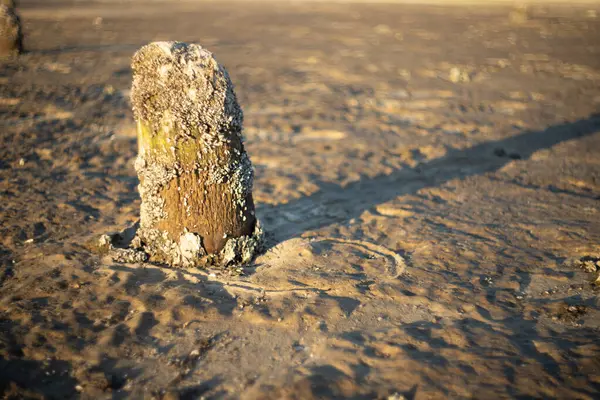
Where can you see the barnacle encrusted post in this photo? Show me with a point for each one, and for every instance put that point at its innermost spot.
(195, 175)
(11, 35)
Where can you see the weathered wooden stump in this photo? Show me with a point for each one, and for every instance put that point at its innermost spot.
(195, 176)
(11, 35)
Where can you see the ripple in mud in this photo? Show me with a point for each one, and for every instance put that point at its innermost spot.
(326, 263)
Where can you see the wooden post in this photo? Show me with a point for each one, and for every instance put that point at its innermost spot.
(195, 175)
(11, 35)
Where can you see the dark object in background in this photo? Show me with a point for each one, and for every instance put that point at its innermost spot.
(11, 34)
(9, 3)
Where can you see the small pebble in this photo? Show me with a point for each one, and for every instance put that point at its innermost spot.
(396, 396)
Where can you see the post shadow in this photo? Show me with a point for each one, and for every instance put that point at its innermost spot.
(333, 203)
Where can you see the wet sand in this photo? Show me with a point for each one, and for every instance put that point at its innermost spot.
(428, 178)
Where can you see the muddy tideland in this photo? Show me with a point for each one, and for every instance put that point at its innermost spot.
(428, 178)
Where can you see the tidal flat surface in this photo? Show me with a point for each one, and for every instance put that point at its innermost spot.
(428, 178)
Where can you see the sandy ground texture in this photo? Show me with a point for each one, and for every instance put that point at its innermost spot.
(428, 178)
